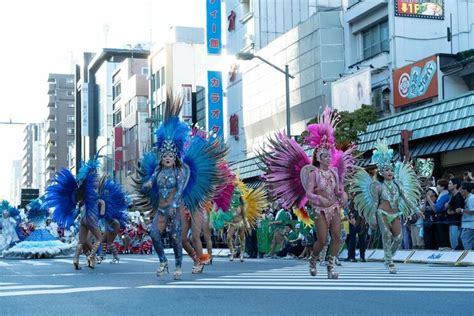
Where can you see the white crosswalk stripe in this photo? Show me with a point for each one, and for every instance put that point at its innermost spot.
(16, 289)
(351, 278)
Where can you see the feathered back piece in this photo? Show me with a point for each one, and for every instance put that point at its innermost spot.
(202, 158)
(282, 164)
(67, 190)
(145, 200)
(382, 155)
(172, 135)
(322, 134)
(116, 202)
(343, 161)
(37, 211)
(223, 194)
(255, 202)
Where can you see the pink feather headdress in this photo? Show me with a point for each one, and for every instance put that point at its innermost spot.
(322, 134)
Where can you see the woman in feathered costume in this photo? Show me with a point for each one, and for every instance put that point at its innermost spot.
(295, 179)
(9, 224)
(382, 203)
(179, 178)
(73, 197)
(115, 202)
(245, 208)
(41, 243)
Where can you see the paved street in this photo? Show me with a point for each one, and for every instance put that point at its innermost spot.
(267, 286)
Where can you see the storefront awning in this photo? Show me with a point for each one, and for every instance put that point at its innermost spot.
(426, 121)
(443, 144)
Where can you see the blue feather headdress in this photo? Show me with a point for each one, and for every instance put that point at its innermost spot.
(172, 135)
(382, 155)
(37, 211)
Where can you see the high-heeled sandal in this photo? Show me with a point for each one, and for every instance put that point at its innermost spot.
(241, 257)
(391, 268)
(75, 260)
(332, 274)
(312, 266)
(197, 268)
(163, 267)
(177, 274)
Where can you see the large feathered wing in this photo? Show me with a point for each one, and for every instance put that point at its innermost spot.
(146, 199)
(282, 164)
(365, 193)
(223, 192)
(61, 195)
(255, 201)
(343, 161)
(406, 179)
(202, 158)
(116, 205)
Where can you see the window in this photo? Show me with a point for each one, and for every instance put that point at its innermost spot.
(69, 80)
(70, 131)
(145, 71)
(116, 90)
(70, 118)
(70, 143)
(71, 105)
(117, 117)
(162, 76)
(70, 93)
(375, 40)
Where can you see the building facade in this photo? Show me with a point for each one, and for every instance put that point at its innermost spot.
(16, 182)
(314, 53)
(32, 174)
(130, 112)
(95, 103)
(60, 124)
(419, 60)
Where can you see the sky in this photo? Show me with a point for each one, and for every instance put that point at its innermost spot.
(42, 37)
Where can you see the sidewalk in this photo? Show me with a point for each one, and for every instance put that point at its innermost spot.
(454, 257)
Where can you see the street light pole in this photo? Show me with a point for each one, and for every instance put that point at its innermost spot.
(288, 111)
(249, 56)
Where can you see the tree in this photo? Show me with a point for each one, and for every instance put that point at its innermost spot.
(351, 124)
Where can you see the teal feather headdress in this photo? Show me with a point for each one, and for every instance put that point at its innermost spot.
(382, 155)
(172, 135)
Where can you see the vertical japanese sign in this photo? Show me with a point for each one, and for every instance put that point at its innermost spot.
(213, 27)
(118, 146)
(85, 109)
(187, 94)
(214, 101)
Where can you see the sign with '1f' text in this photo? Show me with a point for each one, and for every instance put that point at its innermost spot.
(215, 103)
(416, 82)
(424, 9)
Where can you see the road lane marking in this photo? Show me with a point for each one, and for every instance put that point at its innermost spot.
(61, 291)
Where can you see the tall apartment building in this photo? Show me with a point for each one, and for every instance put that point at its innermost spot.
(95, 90)
(16, 182)
(33, 155)
(60, 123)
(130, 108)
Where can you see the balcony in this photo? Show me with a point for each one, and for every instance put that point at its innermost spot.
(51, 101)
(51, 165)
(51, 88)
(51, 151)
(50, 126)
(51, 137)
